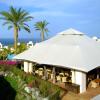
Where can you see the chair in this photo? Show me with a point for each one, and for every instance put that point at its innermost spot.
(40, 73)
(48, 70)
(51, 76)
(58, 78)
(66, 74)
(36, 71)
(40, 68)
(64, 79)
(93, 84)
(61, 74)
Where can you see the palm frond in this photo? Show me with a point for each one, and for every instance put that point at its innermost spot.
(16, 17)
(45, 22)
(9, 27)
(13, 11)
(14, 14)
(6, 15)
(26, 24)
(27, 29)
(42, 26)
(26, 19)
(6, 22)
(3, 18)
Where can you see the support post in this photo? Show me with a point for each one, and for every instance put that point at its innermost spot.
(73, 76)
(30, 68)
(34, 69)
(81, 80)
(45, 72)
(54, 75)
(98, 72)
(97, 76)
(26, 67)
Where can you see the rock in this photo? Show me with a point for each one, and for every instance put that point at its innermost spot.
(45, 98)
(33, 89)
(39, 98)
(33, 95)
(37, 93)
(5, 74)
(28, 89)
(2, 73)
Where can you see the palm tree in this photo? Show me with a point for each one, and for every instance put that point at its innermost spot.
(41, 26)
(16, 19)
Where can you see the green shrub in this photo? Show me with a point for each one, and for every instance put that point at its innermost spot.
(29, 78)
(55, 95)
(5, 67)
(12, 81)
(44, 88)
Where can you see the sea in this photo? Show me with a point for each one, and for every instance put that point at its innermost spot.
(10, 41)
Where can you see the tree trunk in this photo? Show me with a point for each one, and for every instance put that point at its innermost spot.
(15, 38)
(42, 36)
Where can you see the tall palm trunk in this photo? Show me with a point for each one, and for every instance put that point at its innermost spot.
(15, 38)
(42, 36)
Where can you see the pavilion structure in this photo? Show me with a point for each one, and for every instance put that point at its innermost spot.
(69, 49)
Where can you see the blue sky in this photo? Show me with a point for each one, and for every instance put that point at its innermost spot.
(82, 15)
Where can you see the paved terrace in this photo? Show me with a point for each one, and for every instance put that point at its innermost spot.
(90, 93)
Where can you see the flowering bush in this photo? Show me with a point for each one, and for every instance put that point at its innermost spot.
(8, 62)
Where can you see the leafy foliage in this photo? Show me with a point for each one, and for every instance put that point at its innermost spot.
(16, 17)
(42, 27)
(4, 53)
(18, 84)
(44, 88)
(22, 47)
(6, 65)
(18, 80)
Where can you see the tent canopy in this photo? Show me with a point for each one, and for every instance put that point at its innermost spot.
(71, 49)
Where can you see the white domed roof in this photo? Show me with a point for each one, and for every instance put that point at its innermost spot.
(72, 50)
(71, 31)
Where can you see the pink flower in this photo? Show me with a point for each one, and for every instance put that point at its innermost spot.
(8, 62)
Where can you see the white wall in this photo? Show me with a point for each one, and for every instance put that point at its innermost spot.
(80, 79)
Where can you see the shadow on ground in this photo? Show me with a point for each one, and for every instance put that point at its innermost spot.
(6, 91)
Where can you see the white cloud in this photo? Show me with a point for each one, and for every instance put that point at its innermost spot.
(54, 14)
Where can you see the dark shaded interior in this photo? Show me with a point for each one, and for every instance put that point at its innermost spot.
(6, 91)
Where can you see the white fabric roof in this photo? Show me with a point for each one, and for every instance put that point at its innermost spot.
(70, 49)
